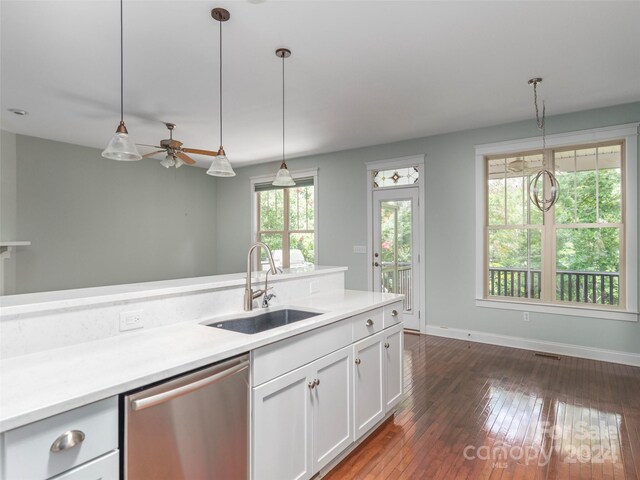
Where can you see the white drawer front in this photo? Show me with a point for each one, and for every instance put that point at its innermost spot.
(392, 314)
(366, 324)
(27, 450)
(103, 468)
(278, 358)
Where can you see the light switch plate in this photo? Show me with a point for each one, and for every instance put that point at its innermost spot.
(359, 249)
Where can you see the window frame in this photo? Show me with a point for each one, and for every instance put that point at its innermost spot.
(297, 174)
(628, 135)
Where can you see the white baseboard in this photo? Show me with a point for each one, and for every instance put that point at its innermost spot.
(614, 356)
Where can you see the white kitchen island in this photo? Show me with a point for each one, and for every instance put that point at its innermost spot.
(91, 361)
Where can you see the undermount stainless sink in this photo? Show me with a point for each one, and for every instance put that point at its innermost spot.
(263, 321)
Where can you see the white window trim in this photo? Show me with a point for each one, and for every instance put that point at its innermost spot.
(400, 162)
(627, 132)
(295, 174)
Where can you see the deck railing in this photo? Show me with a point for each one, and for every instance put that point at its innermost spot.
(571, 286)
(397, 278)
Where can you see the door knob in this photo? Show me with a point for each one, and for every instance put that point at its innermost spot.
(376, 264)
(376, 255)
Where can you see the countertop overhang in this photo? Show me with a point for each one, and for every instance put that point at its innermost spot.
(42, 384)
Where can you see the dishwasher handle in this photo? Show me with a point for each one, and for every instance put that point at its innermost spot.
(153, 400)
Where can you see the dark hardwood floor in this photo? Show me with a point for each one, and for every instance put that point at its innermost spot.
(476, 411)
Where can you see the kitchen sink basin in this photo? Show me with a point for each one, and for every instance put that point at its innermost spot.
(263, 321)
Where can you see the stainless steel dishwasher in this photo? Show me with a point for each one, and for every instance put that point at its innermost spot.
(190, 427)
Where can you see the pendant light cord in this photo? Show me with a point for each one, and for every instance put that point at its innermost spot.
(540, 122)
(121, 65)
(220, 83)
(283, 56)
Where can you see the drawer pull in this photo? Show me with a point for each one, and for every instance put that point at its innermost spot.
(67, 440)
(369, 323)
(357, 361)
(386, 345)
(394, 313)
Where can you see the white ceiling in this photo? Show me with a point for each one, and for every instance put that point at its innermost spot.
(361, 73)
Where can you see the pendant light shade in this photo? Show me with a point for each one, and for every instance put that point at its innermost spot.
(121, 147)
(283, 177)
(220, 167)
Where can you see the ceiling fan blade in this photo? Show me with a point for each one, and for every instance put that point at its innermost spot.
(200, 152)
(147, 145)
(152, 154)
(185, 158)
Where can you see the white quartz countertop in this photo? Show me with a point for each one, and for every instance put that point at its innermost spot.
(82, 297)
(36, 386)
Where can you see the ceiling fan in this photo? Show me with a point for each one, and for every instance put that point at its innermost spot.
(176, 154)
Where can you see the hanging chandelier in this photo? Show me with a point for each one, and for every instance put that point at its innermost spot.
(544, 189)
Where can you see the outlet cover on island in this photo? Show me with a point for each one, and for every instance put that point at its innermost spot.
(359, 249)
(131, 320)
(525, 316)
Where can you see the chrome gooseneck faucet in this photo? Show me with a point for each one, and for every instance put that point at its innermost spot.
(249, 294)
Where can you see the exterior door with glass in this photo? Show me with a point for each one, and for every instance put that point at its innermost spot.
(396, 228)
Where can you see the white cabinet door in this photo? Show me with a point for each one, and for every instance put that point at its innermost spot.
(368, 383)
(281, 440)
(332, 404)
(393, 374)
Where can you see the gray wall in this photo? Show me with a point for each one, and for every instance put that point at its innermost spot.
(449, 229)
(8, 205)
(94, 221)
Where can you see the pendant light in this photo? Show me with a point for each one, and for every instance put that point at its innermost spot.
(544, 179)
(121, 147)
(283, 177)
(220, 167)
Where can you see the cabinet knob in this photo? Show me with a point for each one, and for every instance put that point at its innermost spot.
(317, 381)
(386, 345)
(394, 313)
(357, 361)
(369, 322)
(312, 384)
(67, 440)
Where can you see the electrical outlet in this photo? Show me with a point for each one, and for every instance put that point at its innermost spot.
(131, 320)
(525, 316)
(359, 249)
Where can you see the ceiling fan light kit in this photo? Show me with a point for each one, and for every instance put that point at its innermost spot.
(121, 147)
(220, 167)
(283, 177)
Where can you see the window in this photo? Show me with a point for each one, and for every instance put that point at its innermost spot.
(285, 220)
(580, 253)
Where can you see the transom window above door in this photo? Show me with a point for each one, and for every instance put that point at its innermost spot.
(395, 177)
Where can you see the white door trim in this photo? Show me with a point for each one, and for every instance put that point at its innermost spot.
(409, 161)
